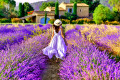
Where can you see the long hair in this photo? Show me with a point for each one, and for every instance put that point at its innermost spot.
(56, 28)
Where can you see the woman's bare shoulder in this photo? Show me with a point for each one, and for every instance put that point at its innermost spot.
(60, 26)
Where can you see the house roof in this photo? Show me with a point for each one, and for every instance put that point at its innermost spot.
(27, 16)
(72, 4)
(43, 13)
(53, 8)
(35, 13)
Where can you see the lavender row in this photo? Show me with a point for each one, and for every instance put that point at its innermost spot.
(25, 60)
(107, 36)
(86, 62)
(10, 35)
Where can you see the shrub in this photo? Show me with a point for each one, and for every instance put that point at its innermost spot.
(73, 21)
(82, 21)
(51, 21)
(112, 23)
(5, 20)
(115, 23)
(29, 20)
(102, 14)
(65, 21)
(86, 20)
(79, 21)
(71, 16)
(63, 17)
(16, 20)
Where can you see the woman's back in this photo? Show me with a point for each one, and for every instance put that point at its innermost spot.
(59, 31)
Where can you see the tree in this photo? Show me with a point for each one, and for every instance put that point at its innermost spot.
(1, 10)
(116, 8)
(6, 6)
(89, 2)
(27, 7)
(56, 10)
(45, 17)
(21, 10)
(8, 3)
(78, 1)
(93, 6)
(75, 8)
(102, 14)
(47, 4)
(115, 4)
(70, 16)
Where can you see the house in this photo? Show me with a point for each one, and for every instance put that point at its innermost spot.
(39, 16)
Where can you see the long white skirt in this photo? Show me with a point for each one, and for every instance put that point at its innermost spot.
(57, 47)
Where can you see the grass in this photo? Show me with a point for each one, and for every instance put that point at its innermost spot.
(33, 23)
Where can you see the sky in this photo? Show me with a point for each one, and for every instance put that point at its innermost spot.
(30, 1)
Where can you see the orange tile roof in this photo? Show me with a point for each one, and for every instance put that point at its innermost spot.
(53, 8)
(43, 13)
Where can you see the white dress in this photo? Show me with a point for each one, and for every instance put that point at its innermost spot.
(57, 46)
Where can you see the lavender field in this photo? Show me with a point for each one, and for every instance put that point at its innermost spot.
(88, 58)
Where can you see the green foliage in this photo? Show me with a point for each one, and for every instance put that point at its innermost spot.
(75, 8)
(64, 21)
(49, 4)
(78, 1)
(51, 21)
(116, 15)
(21, 10)
(56, 10)
(93, 6)
(11, 3)
(116, 10)
(16, 20)
(82, 21)
(102, 14)
(1, 11)
(7, 8)
(27, 8)
(112, 23)
(89, 2)
(70, 16)
(45, 17)
(5, 20)
(115, 4)
(63, 17)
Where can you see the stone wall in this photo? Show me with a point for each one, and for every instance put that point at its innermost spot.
(82, 11)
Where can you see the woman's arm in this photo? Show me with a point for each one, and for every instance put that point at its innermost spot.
(63, 36)
(52, 35)
(62, 33)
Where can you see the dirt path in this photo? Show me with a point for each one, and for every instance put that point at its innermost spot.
(52, 70)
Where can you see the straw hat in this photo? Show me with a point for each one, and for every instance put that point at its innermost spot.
(57, 22)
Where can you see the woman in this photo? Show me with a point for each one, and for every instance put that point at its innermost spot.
(57, 45)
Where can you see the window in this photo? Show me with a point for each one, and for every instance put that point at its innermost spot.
(80, 10)
(70, 10)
